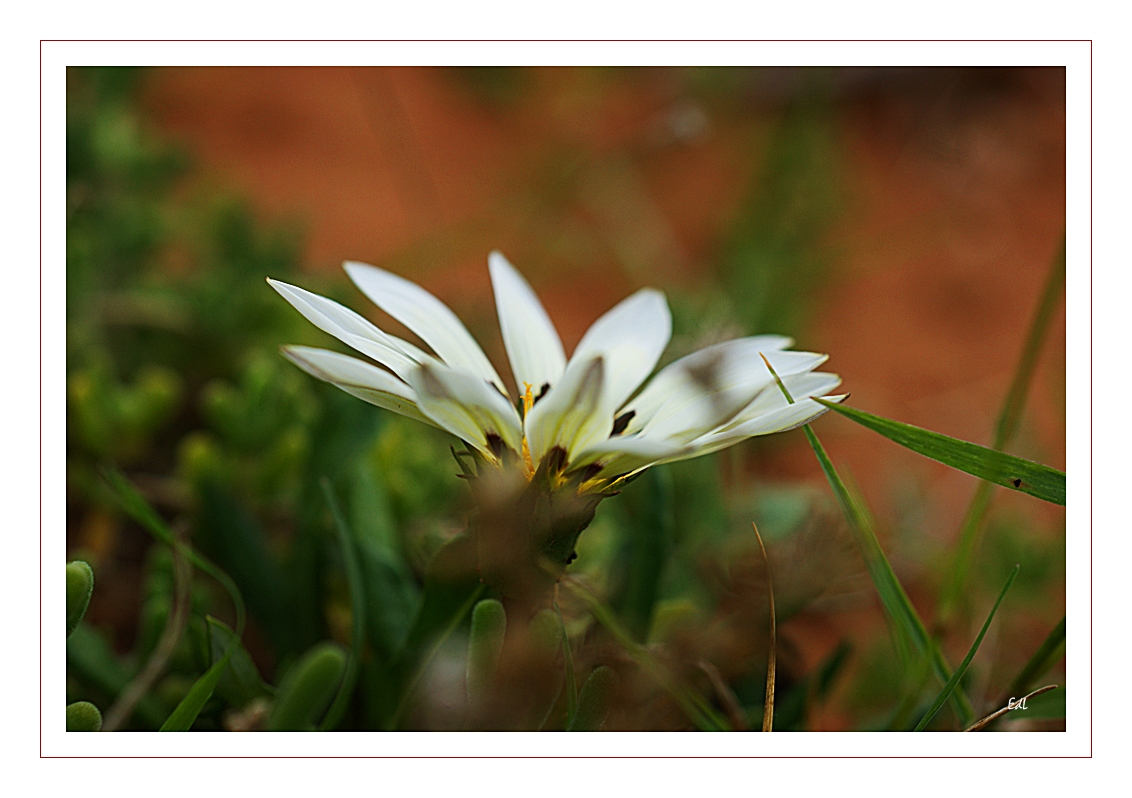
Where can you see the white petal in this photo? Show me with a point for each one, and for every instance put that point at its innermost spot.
(800, 386)
(532, 343)
(426, 316)
(630, 339)
(781, 420)
(466, 405)
(678, 375)
(358, 378)
(351, 328)
(569, 415)
(710, 386)
(620, 455)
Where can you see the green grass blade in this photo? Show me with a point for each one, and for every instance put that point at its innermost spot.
(1011, 472)
(140, 510)
(182, 718)
(1049, 652)
(895, 601)
(955, 677)
(1015, 401)
(357, 611)
(1007, 424)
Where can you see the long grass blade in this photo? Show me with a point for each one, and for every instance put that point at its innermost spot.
(768, 701)
(1007, 425)
(182, 718)
(955, 677)
(1044, 658)
(893, 598)
(1015, 473)
(357, 610)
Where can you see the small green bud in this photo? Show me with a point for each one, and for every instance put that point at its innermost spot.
(80, 585)
(489, 626)
(83, 716)
(545, 633)
(308, 688)
(594, 700)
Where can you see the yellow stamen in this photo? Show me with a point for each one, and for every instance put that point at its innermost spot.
(528, 403)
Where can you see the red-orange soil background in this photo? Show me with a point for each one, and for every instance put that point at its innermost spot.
(596, 182)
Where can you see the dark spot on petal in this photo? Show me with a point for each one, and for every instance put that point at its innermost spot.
(591, 471)
(1017, 483)
(541, 393)
(501, 391)
(621, 422)
(495, 444)
(555, 460)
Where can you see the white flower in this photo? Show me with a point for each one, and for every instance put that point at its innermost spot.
(585, 410)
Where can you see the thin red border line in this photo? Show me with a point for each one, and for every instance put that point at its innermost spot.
(1091, 453)
(574, 41)
(41, 399)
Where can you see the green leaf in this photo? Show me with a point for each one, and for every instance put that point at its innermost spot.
(1011, 472)
(241, 682)
(308, 688)
(83, 716)
(955, 677)
(357, 611)
(80, 585)
(595, 699)
(183, 717)
(485, 645)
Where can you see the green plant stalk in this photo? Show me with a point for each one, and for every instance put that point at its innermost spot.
(1007, 425)
(357, 610)
(568, 666)
(171, 635)
(955, 677)
(771, 657)
(694, 706)
(893, 598)
(140, 510)
(1044, 658)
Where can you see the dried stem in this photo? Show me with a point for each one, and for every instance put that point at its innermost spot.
(128, 700)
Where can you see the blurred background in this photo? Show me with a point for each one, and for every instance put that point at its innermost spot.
(902, 220)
